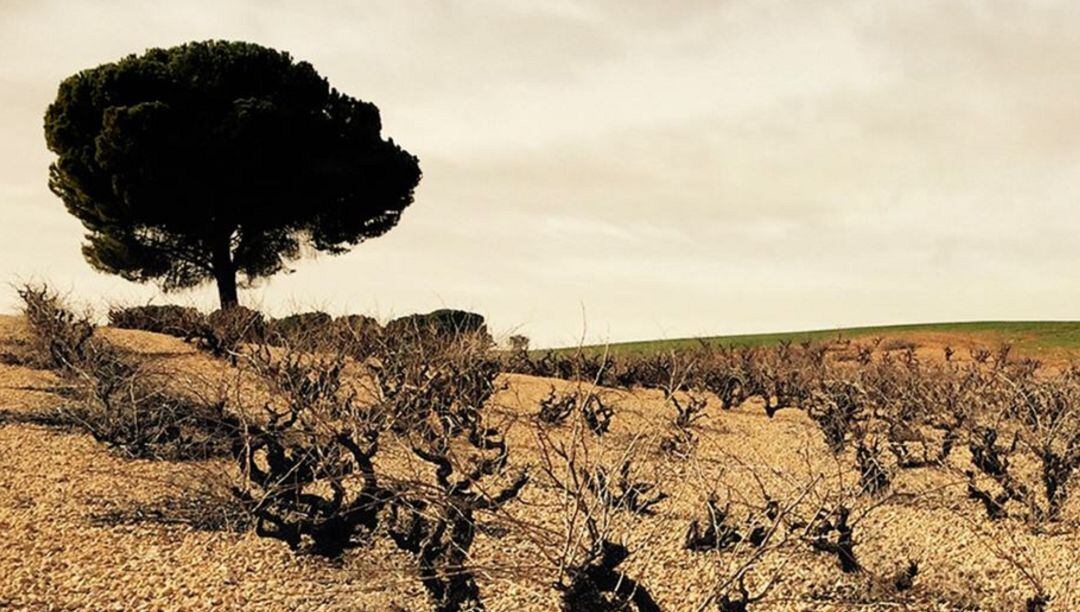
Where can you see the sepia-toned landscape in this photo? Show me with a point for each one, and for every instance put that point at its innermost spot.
(575, 306)
(852, 471)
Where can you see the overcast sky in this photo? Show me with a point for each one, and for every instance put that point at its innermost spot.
(637, 170)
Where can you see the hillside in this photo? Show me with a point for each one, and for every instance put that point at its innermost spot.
(1040, 339)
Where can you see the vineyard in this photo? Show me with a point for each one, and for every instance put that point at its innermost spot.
(347, 464)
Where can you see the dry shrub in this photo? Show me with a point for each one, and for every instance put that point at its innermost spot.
(582, 366)
(722, 375)
(837, 406)
(116, 397)
(60, 338)
(319, 470)
(584, 552)
(689, 408)
(130, 410)
(622, 493)
(448, 378)
(716, 532)
(780, 376)
(300, 461)
(556, 408)
(1045, 431)
(433, 389)
(758, 531)
(518, 343)
(310, 469)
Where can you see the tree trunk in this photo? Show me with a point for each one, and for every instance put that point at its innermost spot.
(225, 275)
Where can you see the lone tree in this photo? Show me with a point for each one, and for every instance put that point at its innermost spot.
(215, 158)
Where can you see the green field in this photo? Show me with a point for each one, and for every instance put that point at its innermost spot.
(1033, 336)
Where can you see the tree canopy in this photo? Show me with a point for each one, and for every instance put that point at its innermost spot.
(212, 159)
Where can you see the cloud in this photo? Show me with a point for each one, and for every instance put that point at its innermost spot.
(720, 167)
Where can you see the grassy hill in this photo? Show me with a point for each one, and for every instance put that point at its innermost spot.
(1028, 336)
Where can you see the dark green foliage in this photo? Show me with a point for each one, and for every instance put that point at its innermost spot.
(305, 329)
(362, 335)
(209, 159)
(301, 323)
(444, 323)
(359, 327)
(227, 328)
(179, 321)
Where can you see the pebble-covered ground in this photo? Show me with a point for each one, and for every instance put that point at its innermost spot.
(83, 528)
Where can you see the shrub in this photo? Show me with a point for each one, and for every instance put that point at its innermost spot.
(60, 338)
(622, 493)
(716, 534)
(837, 407)
(1047, 415)
(832, 532)
(179, 321)
(309, 468)
(113, 395)
(222, 331)
(723, 378)
(301, 462)
(438, 324)
(440, 524)
(226, 329)
(873, 477)
(305, 329)
(555, 409)
(361, 334)
(688, 410)
(433, 396)
(597, 415)
(597, 584)
(128, 409)
(584, 553)
(518, 343)
(450, 380)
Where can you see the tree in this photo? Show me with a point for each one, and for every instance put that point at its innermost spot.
(213, 159)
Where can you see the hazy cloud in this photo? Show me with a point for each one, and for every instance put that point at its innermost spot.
(715, 167)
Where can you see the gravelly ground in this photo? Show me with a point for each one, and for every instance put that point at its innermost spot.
(83, 528)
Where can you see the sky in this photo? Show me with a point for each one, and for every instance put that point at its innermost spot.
(628, 169)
